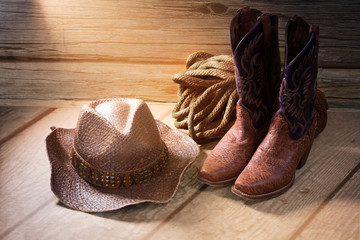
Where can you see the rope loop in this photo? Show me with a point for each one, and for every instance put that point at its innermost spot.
(207, 97)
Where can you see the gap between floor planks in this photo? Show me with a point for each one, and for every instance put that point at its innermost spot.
(194, 195)
(326, 202)
(13, 132)
(296, 234)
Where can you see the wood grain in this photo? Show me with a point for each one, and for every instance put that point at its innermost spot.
(339, 210)
(129, 31)
(80, 50)
(24, 169)
(12, 119)
(82, 81)
(62, 84)
(218, 214)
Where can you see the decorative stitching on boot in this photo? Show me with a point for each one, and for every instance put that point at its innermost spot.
(250, 81)
(298, 93)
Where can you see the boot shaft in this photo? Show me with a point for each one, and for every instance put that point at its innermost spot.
(254, 42)
(298, 88)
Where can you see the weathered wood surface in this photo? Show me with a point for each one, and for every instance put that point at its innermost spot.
(338, 214)
(25, 169)
(13, 120)
(66, 83)
(72, 50)
(74, 81)
(322, 204)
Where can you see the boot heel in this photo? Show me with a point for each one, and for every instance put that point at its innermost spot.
(304, 157)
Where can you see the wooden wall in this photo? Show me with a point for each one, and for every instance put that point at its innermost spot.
(59, 52)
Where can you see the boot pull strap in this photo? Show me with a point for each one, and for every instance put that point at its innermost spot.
(266, 22)
(245, 10)
(315, 29)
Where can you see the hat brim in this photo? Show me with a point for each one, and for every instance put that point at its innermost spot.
(75, 192)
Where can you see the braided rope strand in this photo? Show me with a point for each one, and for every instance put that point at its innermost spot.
(207, 97)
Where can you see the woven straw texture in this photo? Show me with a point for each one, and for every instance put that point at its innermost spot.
(127, 126)
(121, 130)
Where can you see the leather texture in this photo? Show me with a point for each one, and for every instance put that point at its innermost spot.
(271, 170)
(232, 153)
(254, 41)
(287, 144)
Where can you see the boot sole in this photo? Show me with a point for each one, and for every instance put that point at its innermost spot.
(262, 196)
(218, 183)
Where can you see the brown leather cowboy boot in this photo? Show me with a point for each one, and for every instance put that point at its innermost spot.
(254, 42)
(286, 147)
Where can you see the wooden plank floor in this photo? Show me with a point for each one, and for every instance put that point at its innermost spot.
(324, 202)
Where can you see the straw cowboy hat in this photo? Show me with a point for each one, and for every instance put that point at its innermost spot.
(118, 155)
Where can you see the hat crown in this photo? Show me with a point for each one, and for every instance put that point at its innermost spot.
(117, 135)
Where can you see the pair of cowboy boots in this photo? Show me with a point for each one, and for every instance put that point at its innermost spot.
(277, 118)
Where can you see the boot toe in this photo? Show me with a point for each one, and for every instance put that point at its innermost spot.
(252, 188)
(249, 188)
(215, 174)
(215, 177)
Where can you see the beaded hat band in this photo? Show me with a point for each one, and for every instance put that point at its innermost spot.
(126, 179)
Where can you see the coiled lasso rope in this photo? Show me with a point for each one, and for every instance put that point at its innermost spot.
(207, 97)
